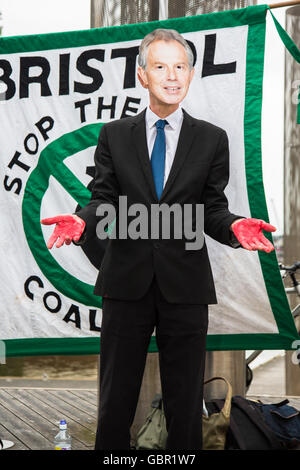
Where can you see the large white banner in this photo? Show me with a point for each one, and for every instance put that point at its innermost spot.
(56, 92)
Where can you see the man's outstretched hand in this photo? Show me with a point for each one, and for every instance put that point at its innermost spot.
(249, 234)
(69, 227)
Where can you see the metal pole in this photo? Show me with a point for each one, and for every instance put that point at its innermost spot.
(97, 13)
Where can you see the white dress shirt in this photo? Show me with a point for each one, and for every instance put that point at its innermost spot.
(172, 131)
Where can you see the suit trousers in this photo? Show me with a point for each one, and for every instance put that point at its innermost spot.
(126, 331)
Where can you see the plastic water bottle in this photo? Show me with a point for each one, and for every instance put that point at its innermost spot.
(62, 440)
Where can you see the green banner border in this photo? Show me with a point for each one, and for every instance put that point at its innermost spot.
(91, 345)
(253, 16)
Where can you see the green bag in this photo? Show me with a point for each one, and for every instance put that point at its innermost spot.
(153, 434)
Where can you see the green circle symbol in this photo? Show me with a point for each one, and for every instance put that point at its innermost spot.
(51, 163)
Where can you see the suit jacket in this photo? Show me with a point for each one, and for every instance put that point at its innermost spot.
(199, 175)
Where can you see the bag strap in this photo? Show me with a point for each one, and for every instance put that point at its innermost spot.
(227, 404)
(282, 403)
(233, 427)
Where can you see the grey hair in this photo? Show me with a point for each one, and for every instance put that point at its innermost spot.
(164, 35)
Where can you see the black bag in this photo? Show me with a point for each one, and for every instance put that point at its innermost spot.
(248, 429)
(284, 420)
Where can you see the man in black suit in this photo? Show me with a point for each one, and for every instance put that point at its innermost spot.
(161, 156)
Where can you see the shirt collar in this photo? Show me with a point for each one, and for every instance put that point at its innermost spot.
(174, 119)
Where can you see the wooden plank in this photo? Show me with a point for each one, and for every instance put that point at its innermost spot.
(79, 403)
(40, 424)
(79, 433)
(66, 410)
(90, 396)
(25, 433)
(6, 434)
(36, 421)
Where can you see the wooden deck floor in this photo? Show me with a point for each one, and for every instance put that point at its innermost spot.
(29, 416)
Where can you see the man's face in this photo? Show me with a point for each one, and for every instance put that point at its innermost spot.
(167, 75)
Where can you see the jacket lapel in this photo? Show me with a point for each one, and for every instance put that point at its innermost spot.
(185, 141)
(140, 142)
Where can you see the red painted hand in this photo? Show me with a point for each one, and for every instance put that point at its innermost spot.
(249, 234)
(68, 227)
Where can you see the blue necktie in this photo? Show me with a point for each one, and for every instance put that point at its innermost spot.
(158, 157)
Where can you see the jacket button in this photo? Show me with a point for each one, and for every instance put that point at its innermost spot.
(156, 245)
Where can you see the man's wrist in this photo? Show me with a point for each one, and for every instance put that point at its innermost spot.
(82, 238)
(234, 222)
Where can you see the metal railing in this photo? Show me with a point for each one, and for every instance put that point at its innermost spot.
(286, 271)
